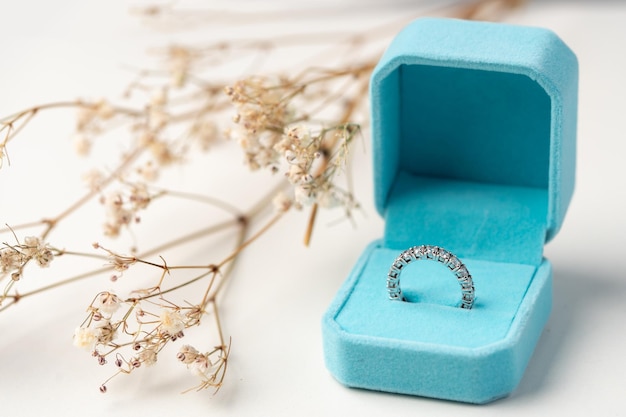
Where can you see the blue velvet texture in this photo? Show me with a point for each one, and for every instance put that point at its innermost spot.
(474, 128)
(481, 102)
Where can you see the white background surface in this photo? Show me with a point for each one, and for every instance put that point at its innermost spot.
(69, 49)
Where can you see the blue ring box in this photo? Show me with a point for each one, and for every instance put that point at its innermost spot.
(474, 130)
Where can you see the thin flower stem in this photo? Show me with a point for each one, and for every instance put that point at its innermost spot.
(226, 272)
(218, 323)
(16, 297)
(252, 239)
(204, 199)
(13, 299)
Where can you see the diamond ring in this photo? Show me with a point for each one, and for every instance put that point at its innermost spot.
(434, 253)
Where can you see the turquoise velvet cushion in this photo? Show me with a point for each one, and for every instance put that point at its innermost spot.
(432, 315)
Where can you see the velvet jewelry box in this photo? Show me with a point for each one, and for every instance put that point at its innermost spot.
(474, 129)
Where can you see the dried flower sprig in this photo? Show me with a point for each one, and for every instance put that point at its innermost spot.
(298, 126)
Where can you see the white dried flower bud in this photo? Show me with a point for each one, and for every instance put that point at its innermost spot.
(148, 171)
(281, 202)
(94, 179)
(187, 354)
(148, 356)
(328, 199)
(107, 303)
(104, 110)
(10, 259)
(206, 133)
(300, 134)
(82, 144)
(85, 338)
(140, 198)
(201, 365)
(171, 322)
(304, 195)
(295, 173)
(36, 249)
(290, 155)
(84, 118)
(105, 332)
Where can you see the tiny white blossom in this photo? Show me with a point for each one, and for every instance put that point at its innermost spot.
(281, 202)
(140, 197)
(104, 109)
(84, 118)
(148, 171)
(206, 133)
(201, 365)
(295, 174)
(107, 302)
(300, 134)
(35, 248)
(171, 321)
(187, 354)
(10, 259)
(105, 332)
(85, 338)
(148, 356)
(93, 179)
(82, 144)
(304, 195)
(328, 199)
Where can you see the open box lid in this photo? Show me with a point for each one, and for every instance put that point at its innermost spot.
(474, 129)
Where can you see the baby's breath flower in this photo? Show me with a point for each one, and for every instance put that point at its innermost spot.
(300, 135)
(206, 133)
(105, 332)
(148, 171)
(187, 354)
(201, 365)
(84, 118)
(304, 195)
(148, 356)
(262, 113)
(107, 302)
(82, 144)
(162, 152)
(139, 197)
(10, 259)
(104, 109)
(171, 322)
(328, 199)
(281, 202)
(85, 338)
(121, 210)
(36, 249)
(94, 179)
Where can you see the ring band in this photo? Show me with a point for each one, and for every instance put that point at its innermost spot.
(434, 253)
